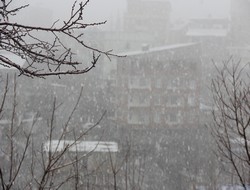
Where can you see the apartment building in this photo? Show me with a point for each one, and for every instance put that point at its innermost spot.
(159, 87)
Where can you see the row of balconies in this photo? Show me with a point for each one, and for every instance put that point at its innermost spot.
(145, 100)
(172, 118)
(147, 83)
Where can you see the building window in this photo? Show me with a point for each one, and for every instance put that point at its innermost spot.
(143, 82)
(139, 82)
(157, 118)
(134, 81)
(138, 117)
(158, 83)
(173, 83)
(192, 84)
(173, 117)
(157, 100)
(139, 99)
(173, 101)
(191, 100)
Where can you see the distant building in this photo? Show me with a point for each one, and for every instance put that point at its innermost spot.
(240, 16)
(145, 21)
(148, 17)
(213, 34)
(93, 160)
(177, 33)
(240, 29)
(159, 87)
(80, 146)
(158, 94)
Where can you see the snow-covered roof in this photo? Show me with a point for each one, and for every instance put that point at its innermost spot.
(80, 146)
(158, 49)
(207, 32)
(12, 57)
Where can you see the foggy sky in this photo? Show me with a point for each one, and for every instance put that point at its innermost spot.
(183, 9)
(95, 11)
(100, 10)
(200, 8)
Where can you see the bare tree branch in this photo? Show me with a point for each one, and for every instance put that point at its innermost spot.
(51, 55)
(231, 117)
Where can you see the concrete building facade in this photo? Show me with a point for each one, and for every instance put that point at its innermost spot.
(159, 87)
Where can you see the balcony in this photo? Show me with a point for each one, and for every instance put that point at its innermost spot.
(139, 83)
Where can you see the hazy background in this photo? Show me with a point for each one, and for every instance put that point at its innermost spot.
(99, 10)
(158, 99)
